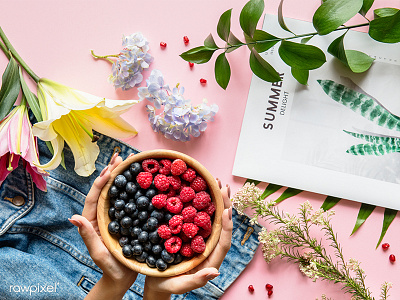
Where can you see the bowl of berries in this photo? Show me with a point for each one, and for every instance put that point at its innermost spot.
(160, 214)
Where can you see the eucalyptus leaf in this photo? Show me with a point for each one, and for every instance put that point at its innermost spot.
(385, 12)
(262, 68)
(250, 15)
(301, 56)
(334, 13)
(262, 38)
(198, 55)
(388, 218)
(300, 75)
(30, 98)
(270, 189)
(386, 29)
(366, 6)
(222, 71)
(329, 202)
(10, 88)
(281, 20)
(289, 192)
(210, 43)
(364, 212)
(224, 25)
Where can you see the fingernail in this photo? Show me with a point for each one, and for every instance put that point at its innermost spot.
(113, 158)
(212, 276)
(75, 222)
(104, 171)
(219, 182)
(229, 190)
(132, 154)
(230, 213)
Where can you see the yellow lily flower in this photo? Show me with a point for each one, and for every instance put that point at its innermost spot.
(70, 115)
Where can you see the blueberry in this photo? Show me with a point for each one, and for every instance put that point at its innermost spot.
(139, 193)
(131, 188)
(126, 222)
(135, 168)
(123, 241)
(137, 249)
(135, 231)
(113, 227)
(135, 242)
(113, 191)
(151, 261)
(143, 237)
(151, 207)
(167, 217)
(147, 246)
(119, 204)
(142, 203)
(178, 258)
(112, 201)
(135, 215)
(145, 227)
(152, 223)
(158, 214)
(128, 175)
(161, 265)
(143, 215)
(142, 257)
(120, 181)
(154, 238)
(119, 214)
(150, 193)
(124, 231)
(124, 196)
(157, 249)
(167, 257)
(127, 251)
(135, 222)
(111, 213)
(129, 208)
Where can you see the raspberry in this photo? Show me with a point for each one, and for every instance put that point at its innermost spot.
(201, 200)
(161, 182)
(203, 220)
(150, 165)
(173, 244)
(164, 232)
(190, 229)
(165, 167)
(205, 233)
(175, 182)
(187, 194)
(171, 193)
(178, 167)
(159, 201)
(210, 209)
(197, 244)
(184, 237)
(174, 205)
(144, 179)
(186, 250)
(189, 175)
(198, 184)
(175, 224)
(188, 214)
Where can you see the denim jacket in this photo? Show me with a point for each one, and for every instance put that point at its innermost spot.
(42, 255)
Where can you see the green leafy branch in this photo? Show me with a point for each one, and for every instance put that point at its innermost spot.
(301, 57)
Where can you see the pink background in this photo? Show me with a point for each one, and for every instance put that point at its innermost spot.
(55, 38)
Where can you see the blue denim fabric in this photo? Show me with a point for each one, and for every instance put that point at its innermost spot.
(42, 255)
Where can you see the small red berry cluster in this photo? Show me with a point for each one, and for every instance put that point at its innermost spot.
(392, 257)
(269, 287)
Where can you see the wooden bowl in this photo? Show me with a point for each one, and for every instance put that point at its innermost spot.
(112, 243)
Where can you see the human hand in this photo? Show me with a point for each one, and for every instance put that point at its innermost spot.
(161, 288)
(117, 278)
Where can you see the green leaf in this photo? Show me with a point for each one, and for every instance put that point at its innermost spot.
(336, 48)
(9, 88)
(386, 29)
(329, 202)
(249, 41)
(256, 182)
(210, 43)
(222, 71)
(306, 39)
(334, 13)
(366, 6)
(198, 55)
(233, 42)
(281, 20)
(250, 15)
(262, 68)
(364, 212)
(301, 56)
(385, 12)
(31, 98)
(300, 75)
(269, 190)
(260, 35)
(388, 218)
(289, 192)
(224, 25)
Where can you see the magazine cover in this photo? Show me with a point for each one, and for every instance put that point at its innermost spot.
(338, 136)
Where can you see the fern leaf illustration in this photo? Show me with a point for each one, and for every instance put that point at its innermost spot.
(373, 149)
(392, 141)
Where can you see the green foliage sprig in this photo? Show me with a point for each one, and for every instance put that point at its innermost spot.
(301, 57)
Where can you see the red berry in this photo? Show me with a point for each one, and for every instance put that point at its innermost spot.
(178, 167)
(164, 232)
(188, 214)
(392, 258)
(144, 179)
(201, 200)
(165, 166)
(187, 194)
(205, 233)
(175, 224)
(159, 201)
(175, 182)
(203, 81)
(385, 246)
(171, 193)
(190, 229)
(210, 209)
(186, 250)
(163, 44)
(173, 244)
(203, 220)
(191, 64)
(198, 184)
(174, 205)
(269, 287)
(251, 288)
(270, 293)
(189, 175)
(197, 244)
(186, 40)
(161, 182)
(150, 165)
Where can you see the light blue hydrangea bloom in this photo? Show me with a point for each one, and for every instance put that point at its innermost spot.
(179, 119)
(132, 60)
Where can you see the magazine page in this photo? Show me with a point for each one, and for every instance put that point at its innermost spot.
(298, 136)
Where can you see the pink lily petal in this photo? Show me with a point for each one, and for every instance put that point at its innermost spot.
(37, 177)
(4, 163)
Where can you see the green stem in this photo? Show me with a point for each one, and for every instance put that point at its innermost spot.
(16, 56)
(106, 57)
(4, 49)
